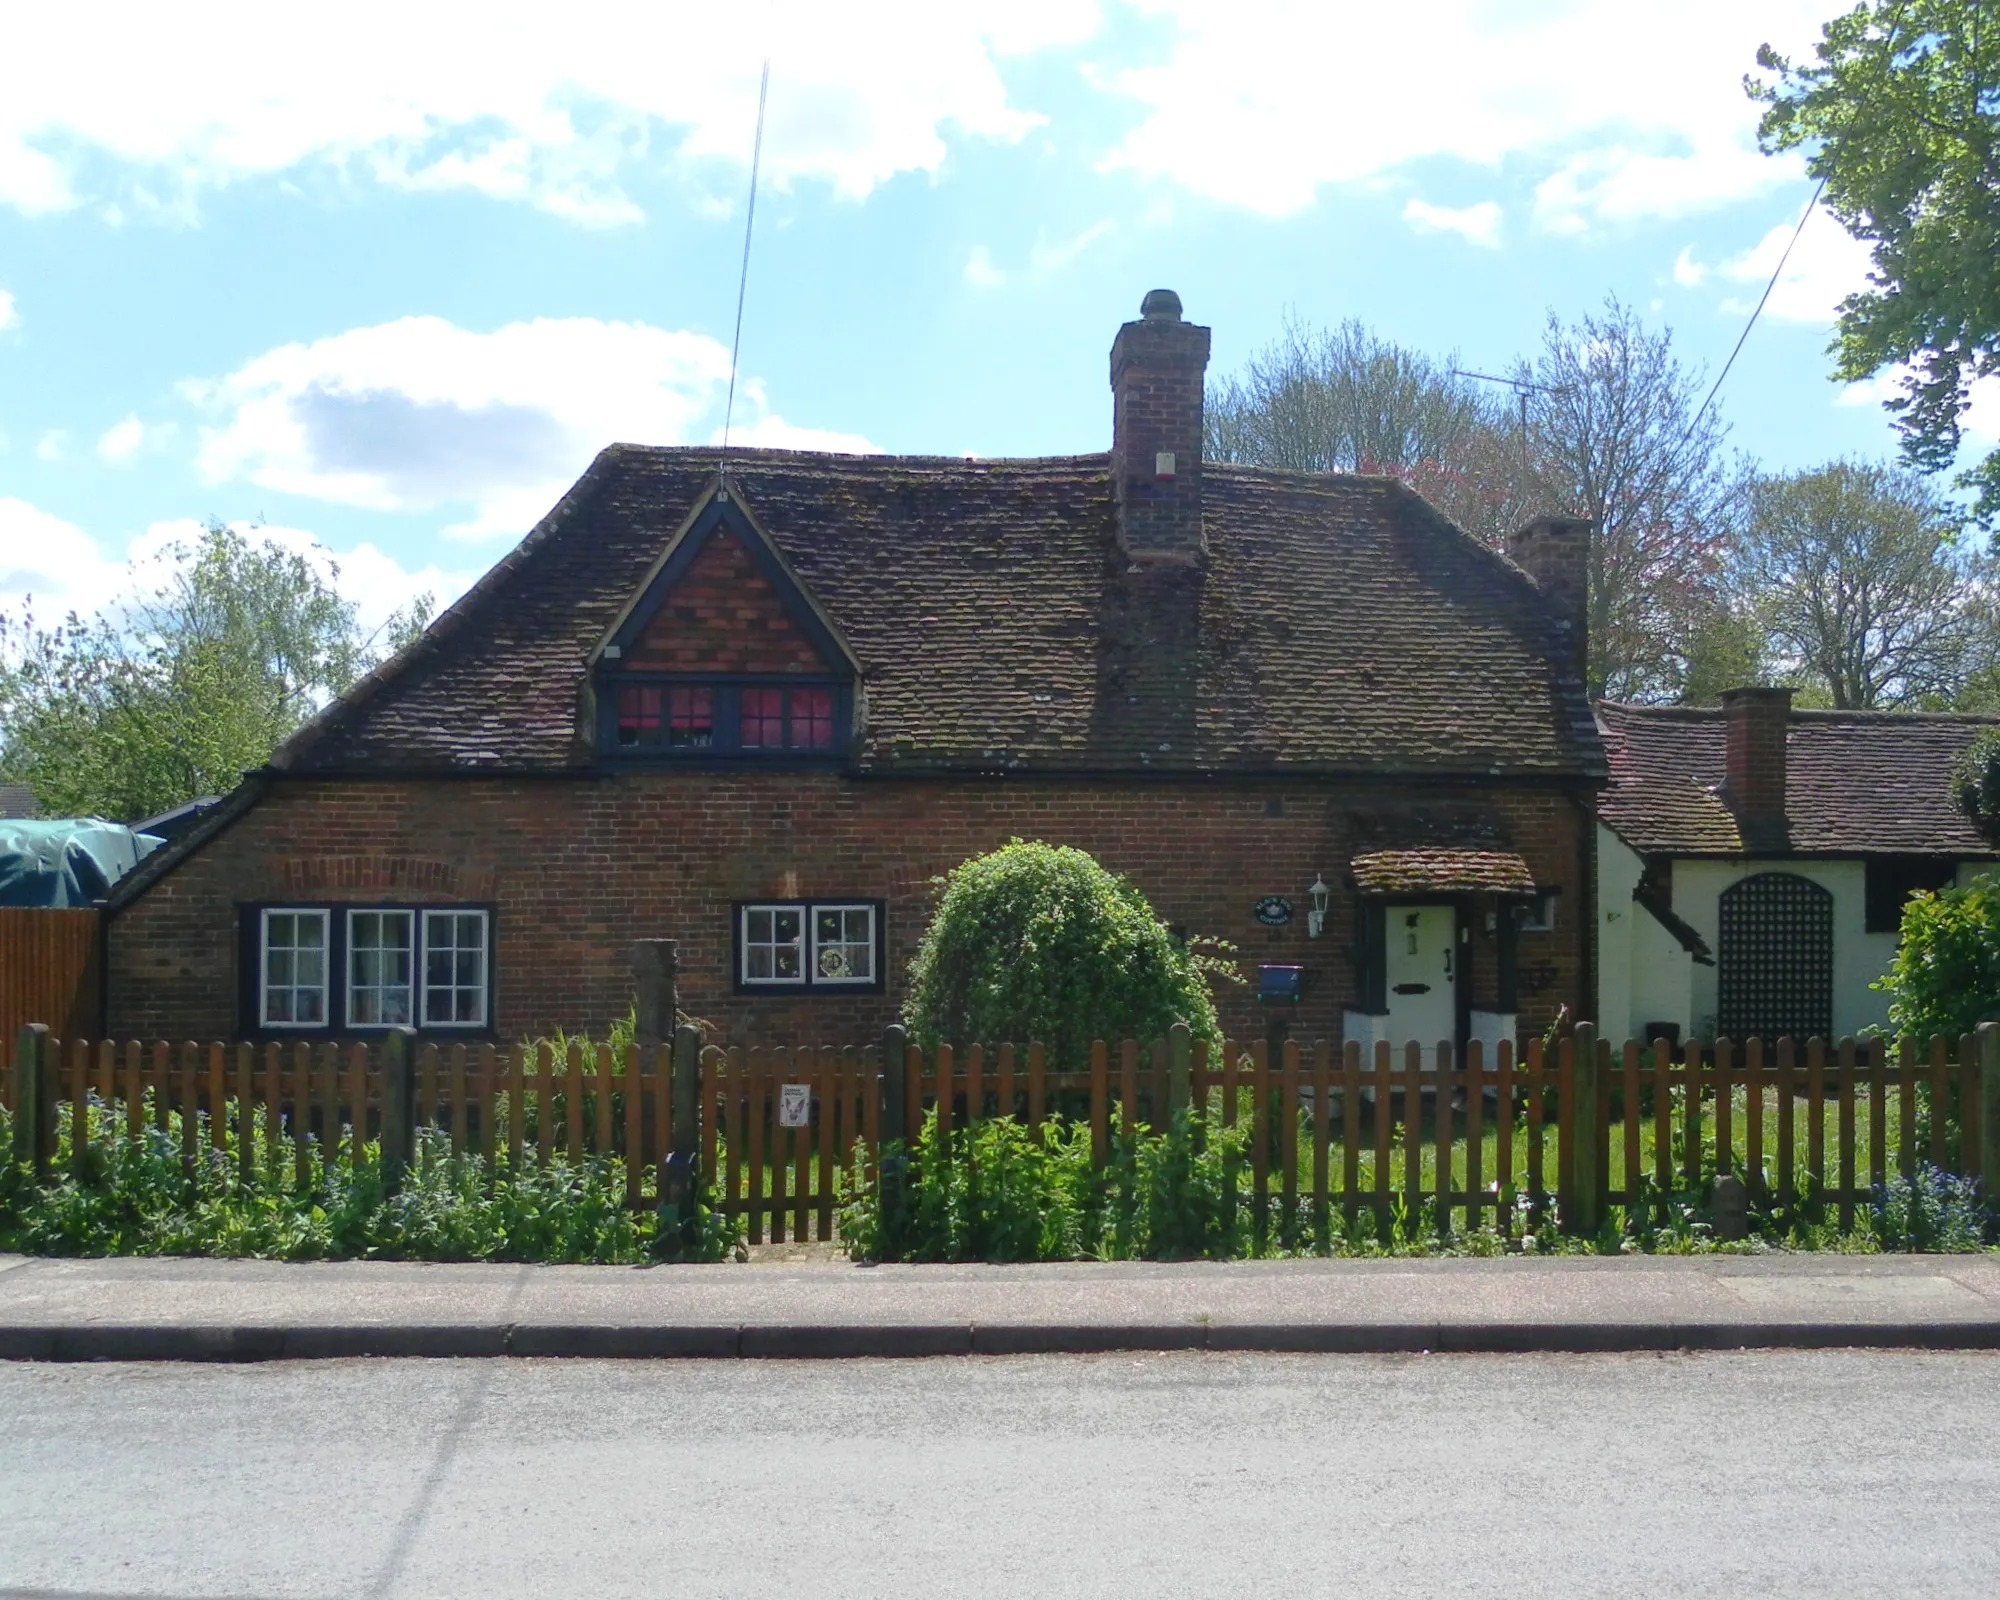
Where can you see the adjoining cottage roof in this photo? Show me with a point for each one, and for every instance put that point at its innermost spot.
(1339, 625)
(1856, 782)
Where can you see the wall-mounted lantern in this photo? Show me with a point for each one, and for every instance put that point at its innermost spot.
(1319, 895)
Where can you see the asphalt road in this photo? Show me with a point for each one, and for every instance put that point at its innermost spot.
(1806, 1474)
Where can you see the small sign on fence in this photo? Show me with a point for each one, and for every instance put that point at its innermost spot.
(794, 1105)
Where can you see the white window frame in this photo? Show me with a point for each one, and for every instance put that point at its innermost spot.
(1539, 914)
(325, 920)
(819, 978)
(411, 950)
(744, 913)
(485, 967)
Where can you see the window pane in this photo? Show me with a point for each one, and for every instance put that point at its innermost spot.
(787, 924)
(757, 961)
(844, 944)
(773, 944)
(811, 719)
(455, 967)
(788, 960)
(294, 968)
(638, 714)
(691, 718)
(762, 722)
(378, 967)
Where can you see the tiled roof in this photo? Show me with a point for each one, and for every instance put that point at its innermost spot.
(1339, 625)
(1437, 871)
(1856, 782)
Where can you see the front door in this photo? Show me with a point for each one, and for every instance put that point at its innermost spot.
(1422, 977)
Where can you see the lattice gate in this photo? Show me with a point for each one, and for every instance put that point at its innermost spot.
(1775, 973)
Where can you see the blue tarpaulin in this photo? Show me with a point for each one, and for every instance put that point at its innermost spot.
(73, 861)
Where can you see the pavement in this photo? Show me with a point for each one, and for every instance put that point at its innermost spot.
(199, 1310)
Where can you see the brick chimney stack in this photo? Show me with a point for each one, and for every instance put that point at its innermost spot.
(1157, 367)
(1754, 765)
(1555, 552)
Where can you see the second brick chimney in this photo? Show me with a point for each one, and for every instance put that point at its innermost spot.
(1157, 367)
(1555, 552)
(1756, 721)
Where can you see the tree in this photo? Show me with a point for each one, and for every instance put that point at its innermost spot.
(183, 689)
(1039, 942)
(1861, 586)
(1616, 434)
(1341, 400)
(1946, 974)
(1900, 115)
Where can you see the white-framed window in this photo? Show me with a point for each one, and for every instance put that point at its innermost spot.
(843, 944)
(292, 968)
(455, 969)
(1539, 914)
(772, 945)
(824, 944)
(380, 957)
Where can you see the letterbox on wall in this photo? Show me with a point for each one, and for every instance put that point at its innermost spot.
(1280, 983)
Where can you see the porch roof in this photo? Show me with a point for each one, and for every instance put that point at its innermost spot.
(1442, 870)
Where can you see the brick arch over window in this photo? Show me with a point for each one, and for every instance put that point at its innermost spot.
(1775, 965)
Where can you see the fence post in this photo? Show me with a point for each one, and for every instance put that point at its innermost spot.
(655, 981)
(1989, 1113)
(33, 1095)
(1583, 1210)
(895, 1090)
(679, 1177)
(1180, 1067)
(399, 1108)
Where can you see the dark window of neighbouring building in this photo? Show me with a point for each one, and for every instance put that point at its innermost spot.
(1893, 879)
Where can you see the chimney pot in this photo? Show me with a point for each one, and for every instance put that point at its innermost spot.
(1157, 367)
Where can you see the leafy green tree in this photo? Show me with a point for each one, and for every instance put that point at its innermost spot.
(1859, 578)
(1946, 975)
(184, 689)
(1899, 115)
(1039, 942)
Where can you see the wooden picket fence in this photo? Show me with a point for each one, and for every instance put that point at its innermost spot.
(1474, 1137)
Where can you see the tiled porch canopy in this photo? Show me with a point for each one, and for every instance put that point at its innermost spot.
(1441, 870)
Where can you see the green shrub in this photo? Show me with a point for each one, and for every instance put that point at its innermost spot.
(1975, 783)
(136, 1198)
(1039, 941)
(1934, 1212)
(1946, 974)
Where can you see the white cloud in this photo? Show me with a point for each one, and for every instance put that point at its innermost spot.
(9, 317)
(1630, 108)
(773, 432)
(65, 569)
(1826, 265)
(1476, 224)
(420, 413)
(52, 446)
(980, 271)
(122, 442)
(517, 100)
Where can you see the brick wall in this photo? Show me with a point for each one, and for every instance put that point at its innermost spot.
(579, 869)
(723, 616)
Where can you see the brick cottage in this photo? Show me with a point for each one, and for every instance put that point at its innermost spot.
(757, 706)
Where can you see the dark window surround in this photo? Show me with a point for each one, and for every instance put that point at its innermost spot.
(250, 968)
(725, 744)
(1892, 880)
(809, 983)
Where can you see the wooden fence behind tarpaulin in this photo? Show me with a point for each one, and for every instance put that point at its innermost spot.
(49, 972)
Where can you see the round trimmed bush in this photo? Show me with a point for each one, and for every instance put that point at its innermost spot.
(1039, 942)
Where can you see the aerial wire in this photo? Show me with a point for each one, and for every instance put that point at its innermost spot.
(743, 278)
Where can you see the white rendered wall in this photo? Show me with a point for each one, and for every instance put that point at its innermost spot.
(1859, 957)
(1618, 869)
(1662, 977)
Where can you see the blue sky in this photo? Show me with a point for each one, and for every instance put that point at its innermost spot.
(386, 276)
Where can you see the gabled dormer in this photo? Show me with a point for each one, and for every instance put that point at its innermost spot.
(721, 656)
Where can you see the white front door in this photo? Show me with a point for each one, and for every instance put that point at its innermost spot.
(1422, 963)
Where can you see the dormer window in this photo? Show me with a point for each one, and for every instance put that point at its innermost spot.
(721, 656)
